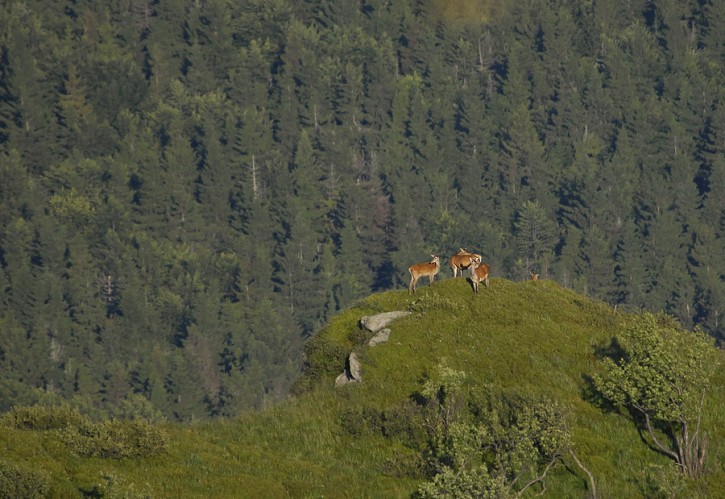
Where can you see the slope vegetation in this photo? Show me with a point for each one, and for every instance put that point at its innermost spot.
(359, 440)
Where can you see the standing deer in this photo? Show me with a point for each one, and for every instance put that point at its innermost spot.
(462, 260)
(419, 270)
(479, 273)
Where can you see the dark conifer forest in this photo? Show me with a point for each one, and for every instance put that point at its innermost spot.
(189, 190)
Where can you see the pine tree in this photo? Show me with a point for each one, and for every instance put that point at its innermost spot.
(535, 234)
(31, 78)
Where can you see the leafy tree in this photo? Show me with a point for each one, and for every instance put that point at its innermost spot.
(660, 375)
(490, 446)
(136, 406)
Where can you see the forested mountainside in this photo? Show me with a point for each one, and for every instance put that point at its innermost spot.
(188, 190)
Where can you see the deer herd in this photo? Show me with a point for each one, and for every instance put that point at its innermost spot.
(461, 261)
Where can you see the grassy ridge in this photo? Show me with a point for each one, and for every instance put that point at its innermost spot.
(531, 338)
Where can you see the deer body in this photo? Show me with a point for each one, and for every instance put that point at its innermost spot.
(479, 273)
(419, 270)
(462, 260)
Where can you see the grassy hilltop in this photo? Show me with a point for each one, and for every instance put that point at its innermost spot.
(361, 440)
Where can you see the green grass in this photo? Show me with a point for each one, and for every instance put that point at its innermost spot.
(534, 338)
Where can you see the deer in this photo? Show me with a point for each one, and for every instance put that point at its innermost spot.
(479, 273)
(462, 260)
(534, 277)
(419, 270)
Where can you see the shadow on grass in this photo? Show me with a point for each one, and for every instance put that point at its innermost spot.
(591, 393)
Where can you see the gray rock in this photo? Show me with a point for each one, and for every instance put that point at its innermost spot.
(353, 367)
(380, 337)
(352, 372)
(342, 379)
(375, 323)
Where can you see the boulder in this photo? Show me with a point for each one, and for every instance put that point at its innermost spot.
(375, 323)
(380, 337)
(352, 372)
(341, 379)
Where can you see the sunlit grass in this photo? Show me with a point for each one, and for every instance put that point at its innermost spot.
(533, 338)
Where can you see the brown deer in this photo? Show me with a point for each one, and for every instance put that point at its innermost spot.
(419, 270)
(462, 260)
(479, 273)
(534, 277)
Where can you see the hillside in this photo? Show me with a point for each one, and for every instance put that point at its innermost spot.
(361, 440)
(187, 187)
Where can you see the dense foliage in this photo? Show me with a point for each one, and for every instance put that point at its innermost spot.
(660, 376)
(188, 190)
(486, 447)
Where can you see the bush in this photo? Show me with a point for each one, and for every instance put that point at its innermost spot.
(20, 482)
(407, 465)
(364, 422)
(323, 358)
(116, 439)
(435, 302)
(403, 422)
(39, 417)
(135, 406)
(112, 438)
(406, 423)
(358, 336)
(113, 486)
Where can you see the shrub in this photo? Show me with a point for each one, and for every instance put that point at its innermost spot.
(116, 439)
(433, 301)
(403, 422)
(323, 357)
(20, 482)
(135, 406)
(39, 417)
(367, 421)
(406, 423)
(407, 464)
(358, 336)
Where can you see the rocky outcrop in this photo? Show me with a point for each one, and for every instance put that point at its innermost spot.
(379, 337)
(376, 324)
(351, 374)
